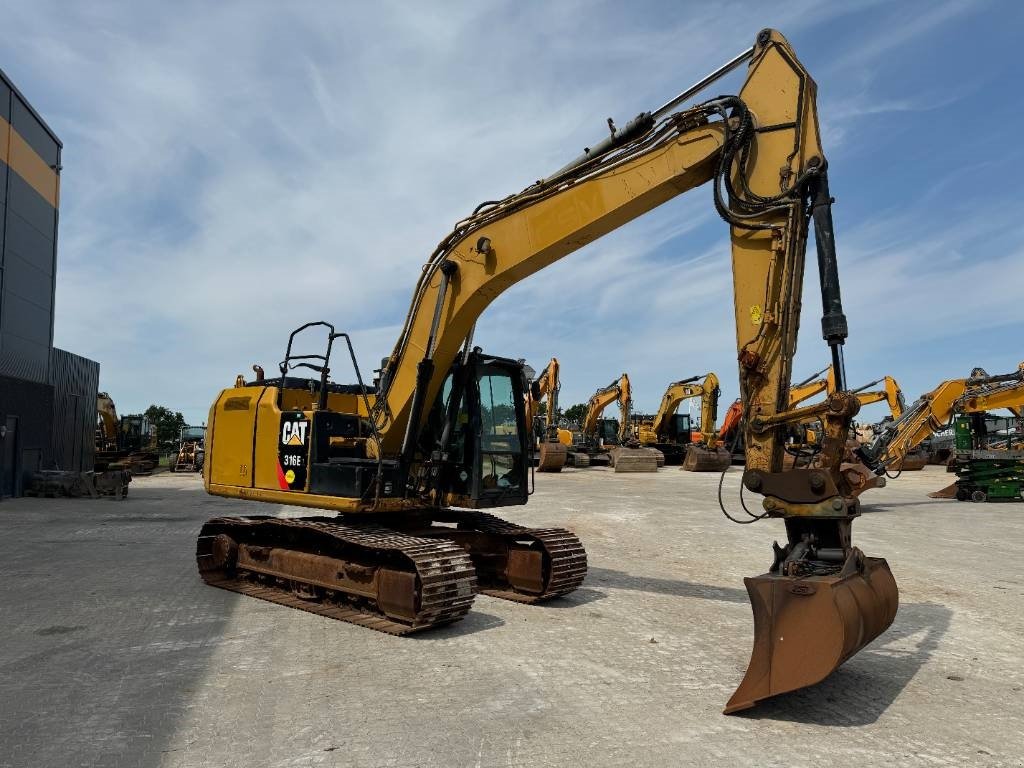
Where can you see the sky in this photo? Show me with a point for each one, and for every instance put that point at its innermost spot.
(234, 170)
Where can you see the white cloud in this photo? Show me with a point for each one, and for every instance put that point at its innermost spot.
(234, 170)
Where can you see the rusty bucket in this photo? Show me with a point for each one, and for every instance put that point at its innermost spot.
(805, 627)
(552, 457)
(702, 459)
(914, 461)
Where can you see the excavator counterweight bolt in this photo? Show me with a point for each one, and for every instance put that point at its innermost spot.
(769, 504)
(753, 482)
(817, 482)
(837, 505)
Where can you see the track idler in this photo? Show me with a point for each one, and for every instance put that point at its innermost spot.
(700, 458)
(806, 626)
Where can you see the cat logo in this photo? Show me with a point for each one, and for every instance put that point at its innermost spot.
(294, 432)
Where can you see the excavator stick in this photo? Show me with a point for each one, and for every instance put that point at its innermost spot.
(699, 458)
(552, 457)
(806, 628)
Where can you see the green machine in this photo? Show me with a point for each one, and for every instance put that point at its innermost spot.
(984, 473)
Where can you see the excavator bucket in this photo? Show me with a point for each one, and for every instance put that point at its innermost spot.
(552, 457)
(949, 492)
(701, 459)
(914, 461)
(805, 627)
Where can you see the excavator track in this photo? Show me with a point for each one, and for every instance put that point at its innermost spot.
(554, 558)
(385, 580)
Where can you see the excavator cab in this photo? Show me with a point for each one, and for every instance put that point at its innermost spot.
(608, 432)
(678, 429)
(477, 434)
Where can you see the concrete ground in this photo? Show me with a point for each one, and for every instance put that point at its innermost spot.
(113, 653)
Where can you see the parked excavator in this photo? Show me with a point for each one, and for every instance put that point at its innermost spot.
(128, 442)
(408, 465)
(551, 451)
(670, 433)
(935, 410)
(600, 434)
(610, 441)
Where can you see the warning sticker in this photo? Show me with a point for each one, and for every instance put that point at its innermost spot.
(293, 451)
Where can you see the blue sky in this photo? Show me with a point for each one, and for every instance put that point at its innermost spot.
(233, 170)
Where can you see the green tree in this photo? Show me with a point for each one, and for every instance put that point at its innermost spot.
(576, 413)
(167, 423)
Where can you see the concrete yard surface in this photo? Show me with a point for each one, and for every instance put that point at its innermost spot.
(114, 653)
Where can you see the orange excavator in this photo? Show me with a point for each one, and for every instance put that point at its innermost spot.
(551, 451)
(409, 465)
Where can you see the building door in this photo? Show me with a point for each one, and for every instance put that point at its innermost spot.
(8, 457)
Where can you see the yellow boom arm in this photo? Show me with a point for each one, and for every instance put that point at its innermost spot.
(816, 384)
(708, 391)
(890, 393)
(547, 386)
(618, 391)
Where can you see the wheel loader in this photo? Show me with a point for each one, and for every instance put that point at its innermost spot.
(400, 473)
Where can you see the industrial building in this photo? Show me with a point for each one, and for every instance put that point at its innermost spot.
(47, 395)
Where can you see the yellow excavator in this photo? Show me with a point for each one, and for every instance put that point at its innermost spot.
(406, 467)
(934, 411)
(552, 452)
(670, 433)
(599, 433)
(610, 441)
(128, 442)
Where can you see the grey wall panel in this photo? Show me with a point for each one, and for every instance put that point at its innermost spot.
(25, 280)
(33, 405)
(22, 359)
(23, 199)
(31, 244)
(76, 381)
(26, 320)
(33, 132)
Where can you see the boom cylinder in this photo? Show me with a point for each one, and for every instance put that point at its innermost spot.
(425, 368)
(833, 321)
